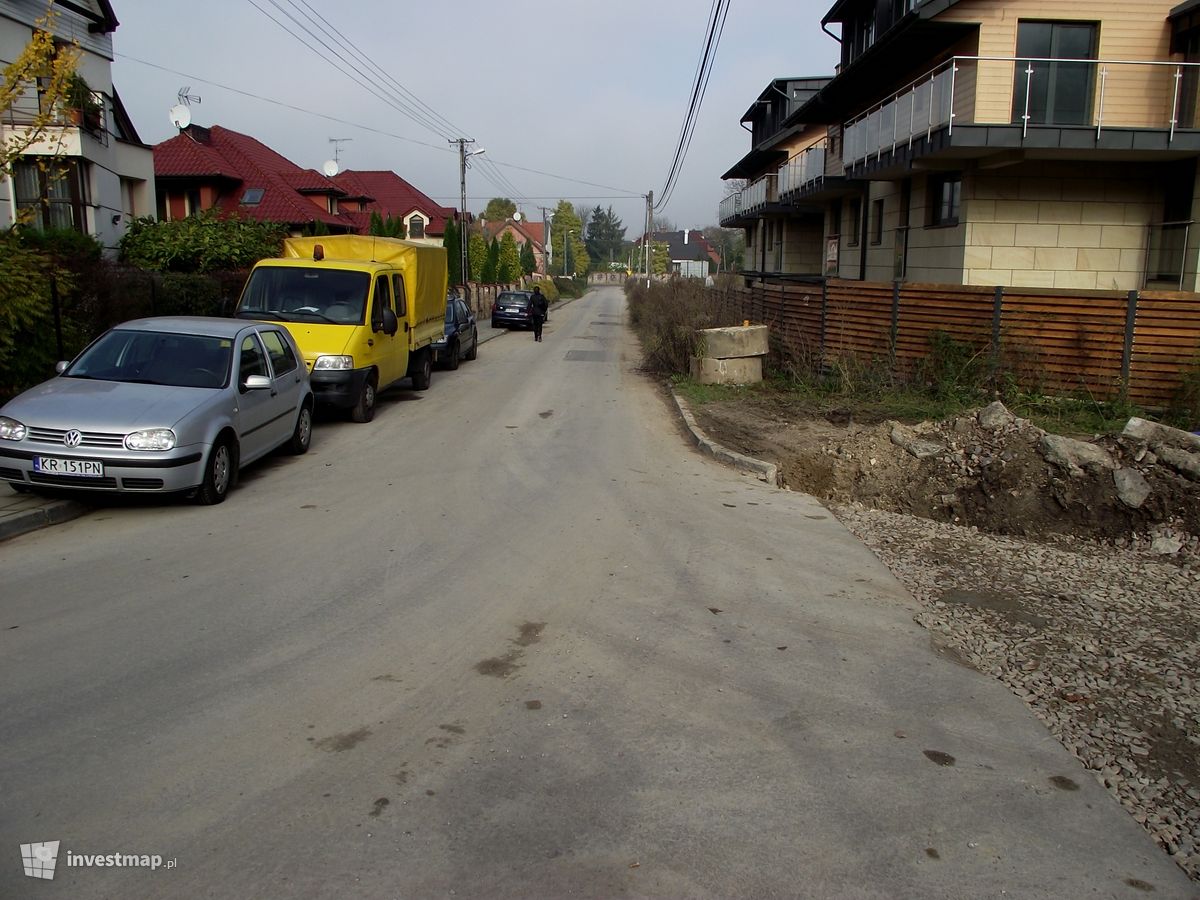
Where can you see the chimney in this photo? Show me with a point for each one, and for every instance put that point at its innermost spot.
(686, 232)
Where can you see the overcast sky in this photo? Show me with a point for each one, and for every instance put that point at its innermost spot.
(592, 92)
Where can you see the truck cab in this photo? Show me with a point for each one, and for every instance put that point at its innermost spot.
(363, 310)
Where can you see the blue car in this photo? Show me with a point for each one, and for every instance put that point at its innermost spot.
(460, 339)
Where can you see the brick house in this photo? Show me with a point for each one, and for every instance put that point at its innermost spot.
(523, 232)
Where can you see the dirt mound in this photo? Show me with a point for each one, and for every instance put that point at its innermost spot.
(986, 468)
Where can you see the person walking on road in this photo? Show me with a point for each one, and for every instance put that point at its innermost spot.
(540, 307)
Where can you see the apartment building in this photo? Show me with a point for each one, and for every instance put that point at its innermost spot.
(1029, 143)
(103, 176)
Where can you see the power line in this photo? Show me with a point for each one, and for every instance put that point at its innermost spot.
(283, 104)
(718, 13)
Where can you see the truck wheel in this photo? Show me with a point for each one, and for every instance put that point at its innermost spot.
(364, 409)
(422, 374)
(453, 360)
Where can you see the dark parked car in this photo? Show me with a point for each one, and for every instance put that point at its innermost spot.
(461, 338)
(512, 308)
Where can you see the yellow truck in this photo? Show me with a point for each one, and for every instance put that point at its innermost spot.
(363, 310)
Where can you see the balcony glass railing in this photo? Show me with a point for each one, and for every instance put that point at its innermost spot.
(802, 169)
(730, 207)
(1030, 93)
(758, 193)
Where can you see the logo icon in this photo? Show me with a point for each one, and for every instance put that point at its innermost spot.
(39, 859)
(72, 438)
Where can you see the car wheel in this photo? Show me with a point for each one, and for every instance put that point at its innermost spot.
(219, 471)
(302, 435)
(364, 409)
(452, 362)
(423, 374)
(474, 353)
(494, 325)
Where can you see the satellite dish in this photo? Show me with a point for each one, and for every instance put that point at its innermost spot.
(330, 167)
(516, 217)
(181, 116)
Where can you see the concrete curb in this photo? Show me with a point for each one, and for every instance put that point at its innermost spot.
(53, 513)
(764, 471)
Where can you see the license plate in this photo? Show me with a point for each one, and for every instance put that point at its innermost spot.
(84, 468)
(513, 309)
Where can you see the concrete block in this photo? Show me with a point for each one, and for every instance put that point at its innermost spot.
(744, 370)
(735, 343)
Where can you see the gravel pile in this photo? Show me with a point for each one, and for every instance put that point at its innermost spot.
(1102, 642)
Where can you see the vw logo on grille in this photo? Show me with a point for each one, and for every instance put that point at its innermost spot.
(72, 438)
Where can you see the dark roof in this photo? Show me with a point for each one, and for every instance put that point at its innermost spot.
(925, 9)
(103, 19)
(1184, 8)
(696, 246)
(808, 84)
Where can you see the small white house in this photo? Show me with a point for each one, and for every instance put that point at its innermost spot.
(104, 176)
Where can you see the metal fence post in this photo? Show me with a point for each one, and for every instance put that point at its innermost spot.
(1127, 348)
(895, 323)
(824, 314)
(997, 310)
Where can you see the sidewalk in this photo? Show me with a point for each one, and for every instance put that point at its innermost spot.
(20, 513)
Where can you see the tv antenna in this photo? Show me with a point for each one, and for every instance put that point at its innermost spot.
(186, 98)
(337, 148)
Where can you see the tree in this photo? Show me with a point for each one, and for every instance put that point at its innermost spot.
(662, 223)
(36, 87)
(566, 234)
(605, 237)
(389, 227)
(499, 209)
(510, 260)
(453, 244)
(660, 257)
(479, 253)
(585, 216)
(491, 266)
(730, 243)
(528, 258)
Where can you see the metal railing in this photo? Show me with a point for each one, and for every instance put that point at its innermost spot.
(1099, 94)
(758, 193)
(27, 108)
(802, 169)
(730, 207)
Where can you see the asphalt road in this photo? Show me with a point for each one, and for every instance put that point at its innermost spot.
(516, 639)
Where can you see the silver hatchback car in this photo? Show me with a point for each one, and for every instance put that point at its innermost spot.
(160, 405)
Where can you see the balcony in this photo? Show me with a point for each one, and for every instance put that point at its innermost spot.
(730, 209)
(974, 106)
(62, 126)
(801, 171)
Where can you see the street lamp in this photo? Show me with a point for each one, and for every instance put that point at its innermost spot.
(567, 246)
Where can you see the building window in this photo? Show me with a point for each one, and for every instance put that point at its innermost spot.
(332, 205)
(1054, 93)
(191, 202)
(51, 197)
(416, 227)
(252, 197)
(877, 222)
(855, 229)
(945, 199)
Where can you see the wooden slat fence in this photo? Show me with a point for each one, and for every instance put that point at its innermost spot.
(1101, 344)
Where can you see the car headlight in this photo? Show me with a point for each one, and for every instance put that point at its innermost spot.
(334, 362)
(11, 429)
(151, 439)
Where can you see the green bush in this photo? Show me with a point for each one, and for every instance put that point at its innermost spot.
(667, 316)
(203, 243)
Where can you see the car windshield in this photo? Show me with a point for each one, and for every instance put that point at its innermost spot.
(156, 357)
(293, 294)
(513, 299)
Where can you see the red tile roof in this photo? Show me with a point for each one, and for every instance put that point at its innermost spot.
(390, 195)
(533, 231)
(290, 193)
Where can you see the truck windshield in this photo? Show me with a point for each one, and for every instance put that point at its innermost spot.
(293, 294)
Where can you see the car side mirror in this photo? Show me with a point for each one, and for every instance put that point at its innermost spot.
(390, 323)
(61, 366)
(256, 383)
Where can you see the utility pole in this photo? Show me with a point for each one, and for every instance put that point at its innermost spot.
(464, 236)
(649, 224)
